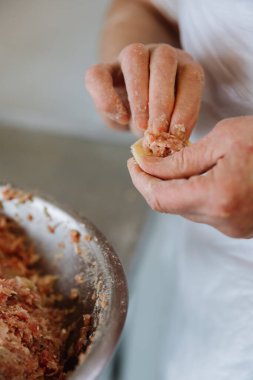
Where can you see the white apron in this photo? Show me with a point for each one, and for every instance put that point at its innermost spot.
(192, 312)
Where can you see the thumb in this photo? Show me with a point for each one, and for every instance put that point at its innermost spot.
(192, 160)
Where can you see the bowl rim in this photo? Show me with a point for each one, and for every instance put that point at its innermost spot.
(100, 352)
(103, 349)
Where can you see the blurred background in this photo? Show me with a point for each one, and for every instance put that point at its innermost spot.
(51, 138)
(45, 47)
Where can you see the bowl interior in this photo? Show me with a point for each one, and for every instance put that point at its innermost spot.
(73, 249)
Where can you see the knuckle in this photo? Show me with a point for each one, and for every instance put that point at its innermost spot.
(184, 57)
(95, 73)
(179, 161)
(152, 198)
(147, 165)
(228, 123)
(166, 50)
(230, 134)
(155, 204)
(187, 56)
(222, 124)
(183, 160)
(132, 50)
(92, 72)
(230, 130)
(229, 203)
(237, 231)
(194, 72)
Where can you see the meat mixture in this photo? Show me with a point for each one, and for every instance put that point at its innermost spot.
(164, 143)
(32, 337)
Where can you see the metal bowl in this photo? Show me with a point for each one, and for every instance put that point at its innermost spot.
(103, 292)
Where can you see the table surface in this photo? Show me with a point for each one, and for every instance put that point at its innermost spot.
(89, 176)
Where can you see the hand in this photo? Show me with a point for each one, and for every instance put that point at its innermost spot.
(209, 182)
(148, 85)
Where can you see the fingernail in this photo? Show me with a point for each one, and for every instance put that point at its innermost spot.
(159, 124)
(140, 121)
(179, 130)
(121, 118)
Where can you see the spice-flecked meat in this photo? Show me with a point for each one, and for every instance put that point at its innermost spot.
(17, 253)
(163, 144)
(32, 333)
(30, 326)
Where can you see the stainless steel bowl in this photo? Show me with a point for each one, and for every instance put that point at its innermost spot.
(104, 290)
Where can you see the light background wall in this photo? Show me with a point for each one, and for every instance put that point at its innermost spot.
(45, 47)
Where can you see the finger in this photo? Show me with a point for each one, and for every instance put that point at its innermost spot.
(99, 83)
(179, 196)
(192, 160)
(189, 87)
(113, 124)
(134, 60)
(135, 130)
(163, 68)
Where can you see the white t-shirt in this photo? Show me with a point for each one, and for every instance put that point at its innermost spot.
(209, 332)
(219, 35)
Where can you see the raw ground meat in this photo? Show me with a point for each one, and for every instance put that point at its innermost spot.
(163, 144)
(30, 332)
(32, 336)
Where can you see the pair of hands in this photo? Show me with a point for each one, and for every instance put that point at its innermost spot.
(160, 88)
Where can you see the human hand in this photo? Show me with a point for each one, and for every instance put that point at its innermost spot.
(209, 182)
(155, 86)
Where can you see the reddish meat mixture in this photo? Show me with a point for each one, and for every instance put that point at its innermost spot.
(32, 336)
(30, 332)
(163, 144)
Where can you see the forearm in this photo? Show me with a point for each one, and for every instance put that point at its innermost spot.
(130, 21)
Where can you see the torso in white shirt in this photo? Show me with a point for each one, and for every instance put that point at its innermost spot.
(210, 333)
